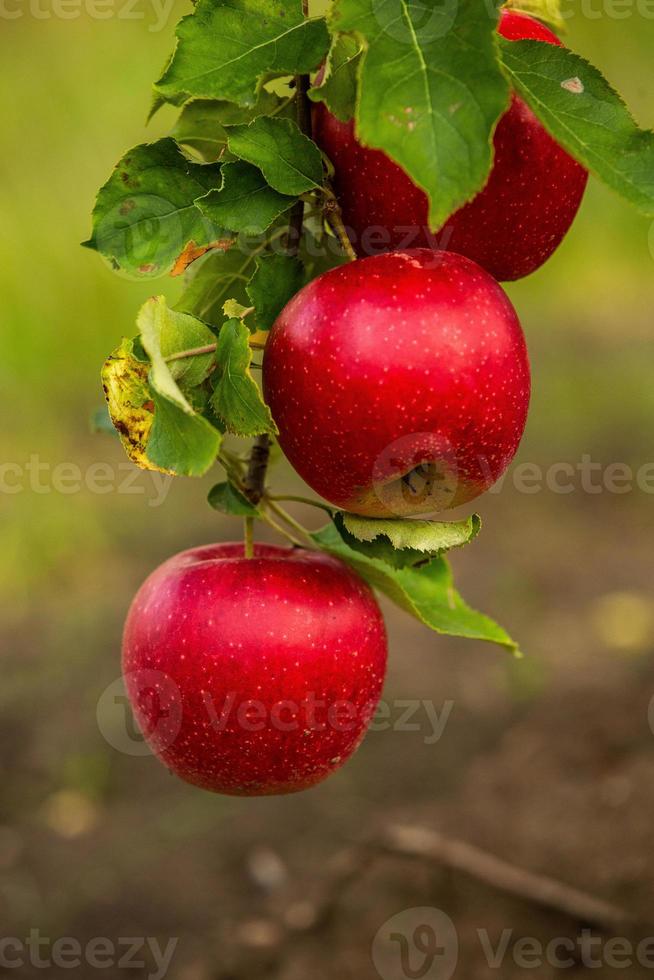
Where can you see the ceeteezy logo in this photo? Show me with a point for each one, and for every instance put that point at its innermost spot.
(416, 944)
(156, 13)
(43, 477)
(142, 953)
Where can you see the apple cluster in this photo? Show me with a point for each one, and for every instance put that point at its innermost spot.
(399, 383)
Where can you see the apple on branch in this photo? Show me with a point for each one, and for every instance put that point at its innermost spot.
(254, 676)
(399, 383)
(514, 224)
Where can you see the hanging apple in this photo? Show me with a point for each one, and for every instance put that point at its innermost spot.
(514, 224)
(399, 383)
(252, 676)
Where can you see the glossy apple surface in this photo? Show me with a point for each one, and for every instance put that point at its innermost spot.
(399, 383)
(513, 225)
(254, 676)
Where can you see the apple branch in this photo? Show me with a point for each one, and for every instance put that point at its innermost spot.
(258, 463)
(255, 477)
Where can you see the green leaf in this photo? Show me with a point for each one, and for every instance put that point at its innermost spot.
(546, 10)
(427, 593)
(145, 214)
(289, 160)
(430, 91)
(320, 251)
(177, 332)
(276, 279)
(152, 322)
(402, 543)
(236, 397)
(244, 202)
(227, 47)
(218, 277)
(581, 110)
(338, 88)
(181, 441)
(200, 126)
(234, 310)
(228, 499)
(156, 103)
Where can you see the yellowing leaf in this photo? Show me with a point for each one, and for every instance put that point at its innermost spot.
(125, 385)
(193, 252)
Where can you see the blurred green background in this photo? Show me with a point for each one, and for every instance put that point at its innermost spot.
(548, 761)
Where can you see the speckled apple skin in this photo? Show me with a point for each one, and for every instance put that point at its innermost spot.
(510, 228)
(285, 626)
(389, 363)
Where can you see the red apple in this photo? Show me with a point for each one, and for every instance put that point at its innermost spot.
(253, 676)
(399, 383)
(513, 225)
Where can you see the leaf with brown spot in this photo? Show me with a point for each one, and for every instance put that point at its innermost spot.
(145, 214)
(125, 385)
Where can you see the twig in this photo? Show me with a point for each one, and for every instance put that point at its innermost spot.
(258, 463)
(540, 890)
(428, 846)
(296, 220)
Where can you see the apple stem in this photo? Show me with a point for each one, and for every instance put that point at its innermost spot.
(300, 500)
(334, 218)
(284, 533)
(285, 516)
(249, 537)
(232, 465)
